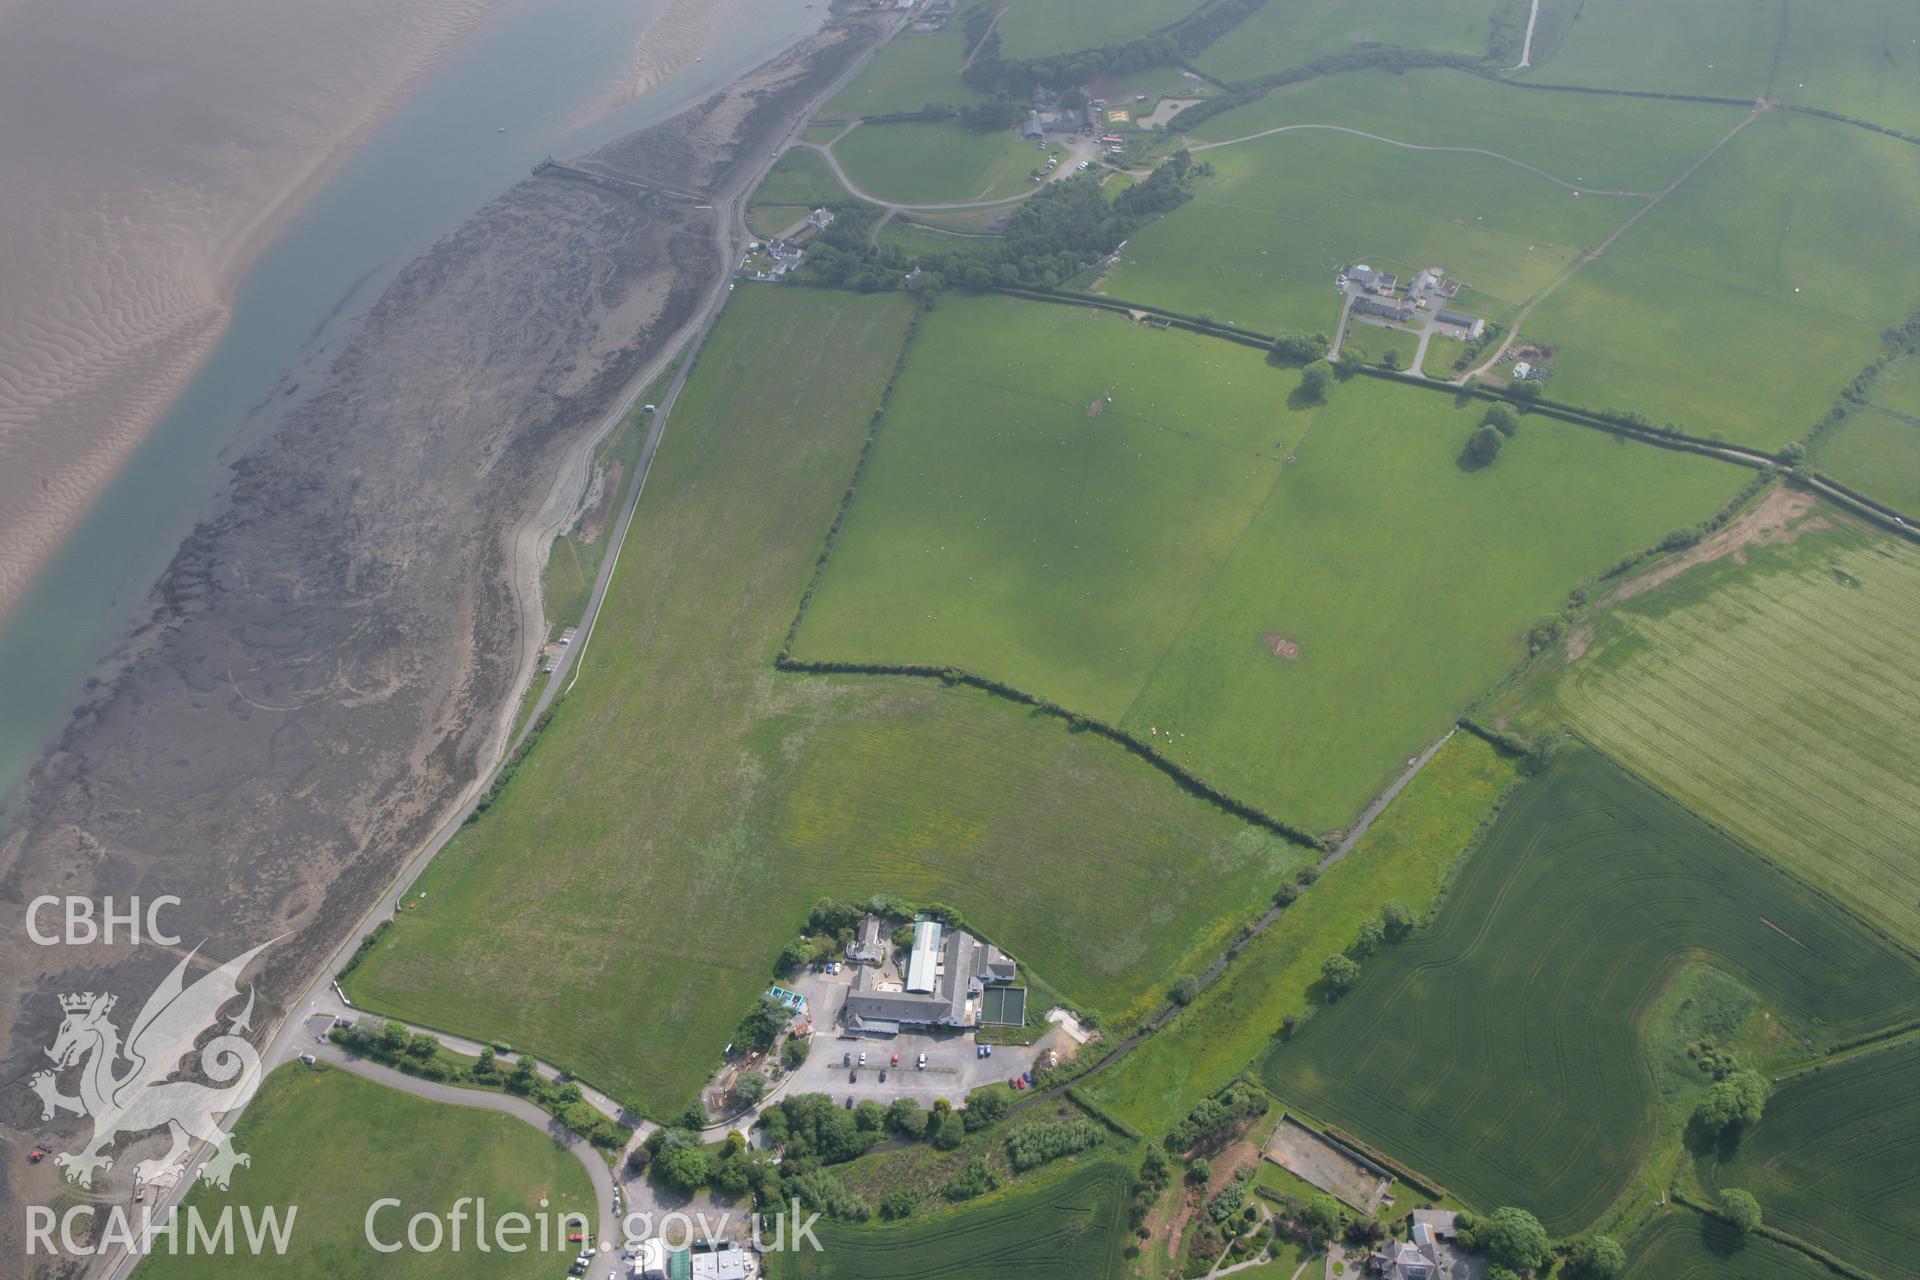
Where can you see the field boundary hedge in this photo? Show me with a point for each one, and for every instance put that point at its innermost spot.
(1341, 1138)
(1857, 123)
(1837, 1265)
(784, 660)
(1189, 781)
(1097, 1112)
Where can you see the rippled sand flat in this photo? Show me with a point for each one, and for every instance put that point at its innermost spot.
(150, 150)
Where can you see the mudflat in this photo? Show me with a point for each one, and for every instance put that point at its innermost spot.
(329, 661)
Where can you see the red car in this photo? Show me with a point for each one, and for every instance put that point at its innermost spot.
(37, 1155)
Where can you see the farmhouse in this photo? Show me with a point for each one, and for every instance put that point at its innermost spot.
(1387, 308)
(946, 971)
(1374, 281)
(867, 947)
(1415, 1259)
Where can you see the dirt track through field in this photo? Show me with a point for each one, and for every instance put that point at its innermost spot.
(1513, 330)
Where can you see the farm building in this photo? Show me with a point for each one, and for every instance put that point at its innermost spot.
(867, 947)
(1522, 371)
(946, 971)
(1032, 128)
(1387, 308)
(1474, 325)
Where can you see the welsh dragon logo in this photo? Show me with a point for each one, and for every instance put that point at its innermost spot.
(140, 1097)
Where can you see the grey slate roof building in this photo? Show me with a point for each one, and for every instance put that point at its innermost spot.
(1390, 308)
(867, 947)
(1474, 325)
(954, 968)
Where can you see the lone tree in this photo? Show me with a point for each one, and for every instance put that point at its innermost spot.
(1483, 446)
(1503, 419)
(1514, 1238)
(1596, 1258)
(1185, 988)
(1340, 973)
(1397, 919)
(1740, 1209)
(1315, 381)
(1392, 359)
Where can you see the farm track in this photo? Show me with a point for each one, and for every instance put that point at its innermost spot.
(1421, 146)
(1653, 202)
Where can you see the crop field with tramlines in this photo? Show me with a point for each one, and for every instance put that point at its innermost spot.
(1685, 1245)
(1072, 1227)
(1499, 1050)
(1774, 691)
(1836, 1160)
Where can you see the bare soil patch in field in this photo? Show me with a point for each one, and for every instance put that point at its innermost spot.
(1781, 516)
(1281, 646)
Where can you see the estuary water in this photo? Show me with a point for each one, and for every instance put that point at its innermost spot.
(545, 77)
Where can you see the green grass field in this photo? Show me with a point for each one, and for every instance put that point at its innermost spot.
(1441, 353)
(331, 1144)
(1514, 1071)
(1281, 35)
(1074, 1226)
(1613, 144)
(1721, 48)
(923, 162)
(798, 182)
(1259, 244)
(1745, 302)
(1876, 453)
(1684, 1245)
(1370, 343)
(624, 901)
(1835, 1159)
(1776, 698)
(1860, 58)
(1407, 855)
(1030, 28)
(1141, 563)
(914, 69)
(1898, 387)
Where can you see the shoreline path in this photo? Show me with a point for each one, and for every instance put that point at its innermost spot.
(290, 1038)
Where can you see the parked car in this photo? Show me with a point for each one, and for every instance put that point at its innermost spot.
(988, 1048)
(896, 1059)
(849, 1102)
(923, 1062)
(853, 1077)
(883, 1075)
(846, 1059)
